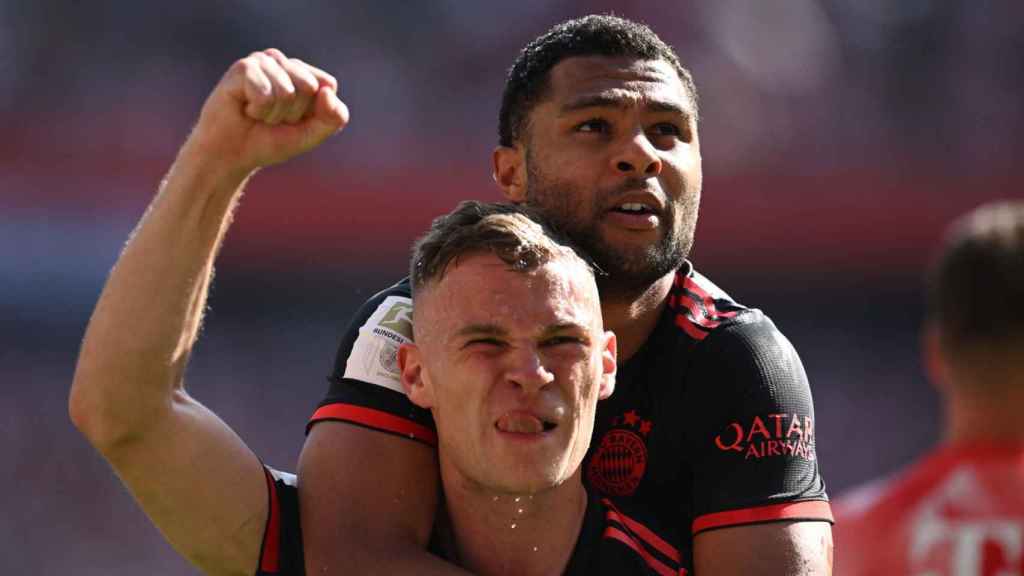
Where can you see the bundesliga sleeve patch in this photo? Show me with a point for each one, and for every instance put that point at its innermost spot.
(374, 356)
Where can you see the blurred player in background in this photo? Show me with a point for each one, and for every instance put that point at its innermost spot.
(960, 509)
(712, 424)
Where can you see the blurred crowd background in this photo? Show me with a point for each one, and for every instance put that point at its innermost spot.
(838, 137)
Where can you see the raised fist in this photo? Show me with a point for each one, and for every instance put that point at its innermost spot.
(268, 108)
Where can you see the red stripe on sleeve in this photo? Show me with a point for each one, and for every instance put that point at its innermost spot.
(692, 286)
(698, 309)
(642, 531)
(811, 510)
(376, 419)
(655, 564)
(699, 317)
(709, 302)
(272, 534)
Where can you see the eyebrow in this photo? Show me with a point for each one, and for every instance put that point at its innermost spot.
(563, 327)
(481, 330)
(610, 101)
(495, 330)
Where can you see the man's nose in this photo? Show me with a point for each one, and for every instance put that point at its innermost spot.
(638, 157)
(527, 370)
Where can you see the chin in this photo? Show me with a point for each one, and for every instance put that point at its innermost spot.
(532, 486)
(530, 481)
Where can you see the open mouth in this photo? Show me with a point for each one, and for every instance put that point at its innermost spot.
(523, 423)
(634, 208)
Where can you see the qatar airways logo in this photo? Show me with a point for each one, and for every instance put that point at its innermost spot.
(773, 435)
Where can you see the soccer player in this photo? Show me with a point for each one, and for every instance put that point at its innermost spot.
(960, 509)
(512, 359)
(713, 423)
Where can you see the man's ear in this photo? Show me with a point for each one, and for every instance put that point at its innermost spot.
(510, 172)
(609, 365)
(417, 386)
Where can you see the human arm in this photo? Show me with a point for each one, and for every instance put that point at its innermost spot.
(802, 548)
(194, 478)
(368, 501)
(759, 501)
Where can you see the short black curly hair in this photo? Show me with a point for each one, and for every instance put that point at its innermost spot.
(594, 35)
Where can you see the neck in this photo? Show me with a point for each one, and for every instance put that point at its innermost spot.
(985, 421)
(986, 413)
(633, 316)
(522, 534)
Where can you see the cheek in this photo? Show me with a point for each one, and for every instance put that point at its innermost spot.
(583, 175)
(683, 169)
(465, 387)
(564, 172)
(584, 388)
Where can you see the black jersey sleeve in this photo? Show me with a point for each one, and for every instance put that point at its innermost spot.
(752, 430)
(281, 552)
(364, 386)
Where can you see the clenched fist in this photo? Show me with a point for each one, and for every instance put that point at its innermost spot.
(266, 109)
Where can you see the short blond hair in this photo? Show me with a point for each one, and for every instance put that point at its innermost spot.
(516, 234)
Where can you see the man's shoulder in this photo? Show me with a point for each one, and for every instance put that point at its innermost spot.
(946, 478)
(699, 308)
(703, 324)
(365, 384)
(400, 289)
(388, 312)
(878, 500)
(705, 336)
(368, 350)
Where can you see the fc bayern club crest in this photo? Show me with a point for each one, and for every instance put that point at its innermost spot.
(620, 460)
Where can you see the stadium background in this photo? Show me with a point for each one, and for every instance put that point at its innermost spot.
(838, 138)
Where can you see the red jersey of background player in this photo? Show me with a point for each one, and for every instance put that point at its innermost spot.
(959, 511)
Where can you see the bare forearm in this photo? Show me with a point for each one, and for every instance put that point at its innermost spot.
(367, 502)
(147, 318)
(784, 548)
